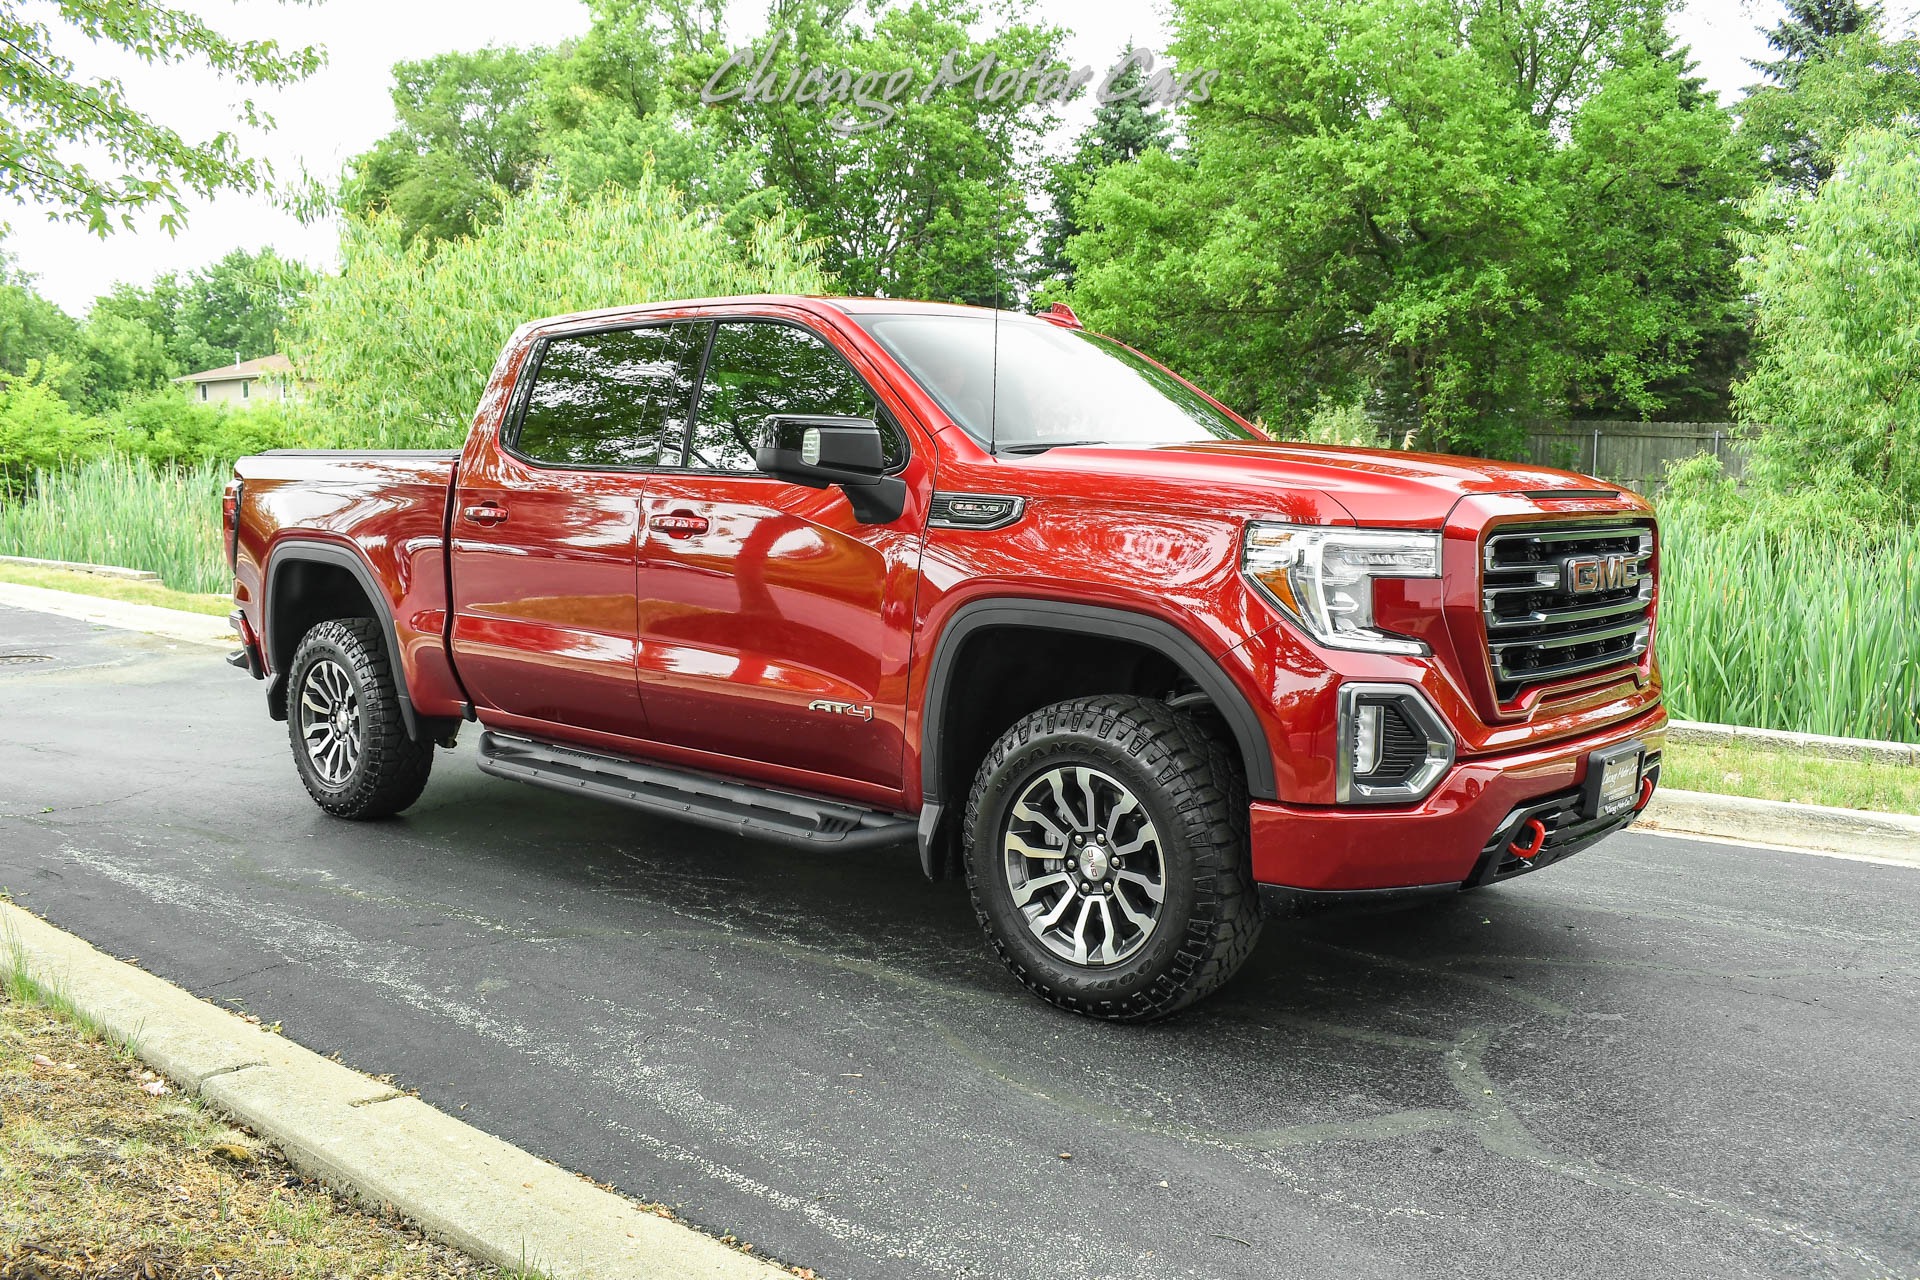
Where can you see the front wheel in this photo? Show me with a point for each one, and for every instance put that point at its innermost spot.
(1106, 855)
(343, 719)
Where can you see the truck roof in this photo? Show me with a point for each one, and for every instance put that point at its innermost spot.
(808, 302)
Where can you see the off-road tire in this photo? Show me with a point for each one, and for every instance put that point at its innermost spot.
(391, 769)
(1192, 788)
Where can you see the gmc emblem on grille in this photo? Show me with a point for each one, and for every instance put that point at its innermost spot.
(1585, 575)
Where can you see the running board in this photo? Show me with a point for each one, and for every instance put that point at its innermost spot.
(693, 797)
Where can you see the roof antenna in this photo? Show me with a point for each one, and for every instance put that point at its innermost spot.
(993, 381)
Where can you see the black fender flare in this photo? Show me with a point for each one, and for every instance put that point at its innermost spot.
(313, 551)
(1051, 615)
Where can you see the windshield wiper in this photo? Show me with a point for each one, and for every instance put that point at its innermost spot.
(1041, 446)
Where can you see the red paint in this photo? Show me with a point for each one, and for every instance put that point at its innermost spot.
(692, 618)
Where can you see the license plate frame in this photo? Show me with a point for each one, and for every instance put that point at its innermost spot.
(1613, 780)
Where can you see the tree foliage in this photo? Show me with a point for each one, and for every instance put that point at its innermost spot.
(1123, 129)
(49, 115)
(1808, 33)
(1835, 390)
(468, 129)
(399, 344)
(1855, 81)
(1469, 213)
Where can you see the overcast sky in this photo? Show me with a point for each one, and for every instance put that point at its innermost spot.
(345, 107)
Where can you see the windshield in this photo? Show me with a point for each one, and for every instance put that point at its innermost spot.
(1055, 386)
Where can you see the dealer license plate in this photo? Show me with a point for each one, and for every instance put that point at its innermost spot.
(1613, 780)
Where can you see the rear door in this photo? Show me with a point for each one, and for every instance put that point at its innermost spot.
(774, 626)
(545, 528)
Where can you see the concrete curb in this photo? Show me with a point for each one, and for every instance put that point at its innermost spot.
(493, 1200)
(174, 624)
(76, 566)
(1737, 735)
(1887, 837)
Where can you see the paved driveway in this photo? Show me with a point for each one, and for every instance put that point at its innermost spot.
(1660, 1059)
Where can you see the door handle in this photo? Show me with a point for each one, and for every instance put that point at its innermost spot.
(681, 524)
(484, 513)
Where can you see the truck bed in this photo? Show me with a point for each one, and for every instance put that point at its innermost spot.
(388, 507)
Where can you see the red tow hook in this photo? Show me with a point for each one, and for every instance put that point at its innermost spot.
(1527, 852)
(1646, 794)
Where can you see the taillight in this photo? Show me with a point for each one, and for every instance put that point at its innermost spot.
(230, 522)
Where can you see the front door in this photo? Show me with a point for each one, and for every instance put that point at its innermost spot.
(545, 529)
(774, 626)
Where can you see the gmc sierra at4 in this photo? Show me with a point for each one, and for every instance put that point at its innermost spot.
(856, 572)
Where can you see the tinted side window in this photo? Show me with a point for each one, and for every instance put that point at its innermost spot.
(611, 399)
(758, 368)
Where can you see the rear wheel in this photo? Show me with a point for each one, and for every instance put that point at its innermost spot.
(1106, 854)
(349, 741)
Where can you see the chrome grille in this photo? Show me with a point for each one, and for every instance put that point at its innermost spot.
(1560, 601)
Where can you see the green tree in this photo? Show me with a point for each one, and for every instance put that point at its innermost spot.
(49, 115)
(1834, 396)
(1650, 312)
(468, 130)
(1470, 214)
(398, 345)
(1123, 128)
(931, 202)
(619, 106)
(1855, 81)
(236, 309)
(1809, 32)
(31, 327)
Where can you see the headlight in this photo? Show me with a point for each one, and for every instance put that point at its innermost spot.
(1323, 578)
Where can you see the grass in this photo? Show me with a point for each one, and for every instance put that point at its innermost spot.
(1815, 634)
(1796, 776)
(106, 1171)
(124, 511)
(93, 584)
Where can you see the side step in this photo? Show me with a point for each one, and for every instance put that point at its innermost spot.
(693, 797)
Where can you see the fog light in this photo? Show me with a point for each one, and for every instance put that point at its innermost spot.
(1366, 739)
(1393, 749)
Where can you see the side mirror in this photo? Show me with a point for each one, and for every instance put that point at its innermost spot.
(820, 451)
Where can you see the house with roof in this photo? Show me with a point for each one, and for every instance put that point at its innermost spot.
(265, 378)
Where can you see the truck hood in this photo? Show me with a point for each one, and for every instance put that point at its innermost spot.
(1372, 486)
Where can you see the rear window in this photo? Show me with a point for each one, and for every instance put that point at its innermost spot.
(613, 399)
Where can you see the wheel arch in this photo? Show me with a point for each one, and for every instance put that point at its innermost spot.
(939, 754)
(309, 581)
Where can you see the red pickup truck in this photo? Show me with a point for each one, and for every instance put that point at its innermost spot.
(856, 572)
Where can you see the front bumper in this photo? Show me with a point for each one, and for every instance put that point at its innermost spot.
(1460, 835)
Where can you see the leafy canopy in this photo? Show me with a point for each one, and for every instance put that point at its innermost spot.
(50, 116)
(399, 344)
(1835, 390)
(1469, 214)
(468, 130)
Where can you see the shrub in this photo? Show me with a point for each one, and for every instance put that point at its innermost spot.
(167, 428)
(39, 429)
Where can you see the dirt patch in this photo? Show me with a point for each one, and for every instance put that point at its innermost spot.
(108, 1173)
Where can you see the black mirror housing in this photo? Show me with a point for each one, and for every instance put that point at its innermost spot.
(822, 450)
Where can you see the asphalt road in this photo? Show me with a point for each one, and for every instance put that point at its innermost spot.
(1659, 1059)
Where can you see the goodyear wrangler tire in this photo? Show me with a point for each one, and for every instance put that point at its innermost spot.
(1107, 857)
(343, 721)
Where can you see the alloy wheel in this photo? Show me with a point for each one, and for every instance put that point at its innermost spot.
(1084, 864)
(330, 722)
